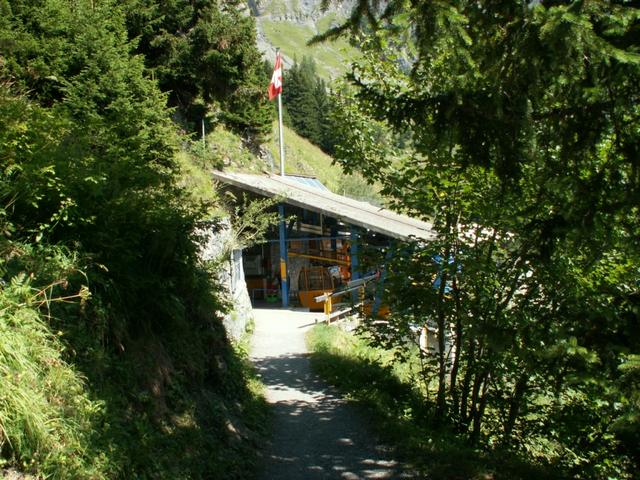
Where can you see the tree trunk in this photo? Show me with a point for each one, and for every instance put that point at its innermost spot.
(442, 364)
(514, 405)
(466, 383)
(475, 394)
(479, 413)
(441, 405)
(453, 390)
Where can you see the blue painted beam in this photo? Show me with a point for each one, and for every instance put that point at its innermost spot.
(355, 272)
(284, 285)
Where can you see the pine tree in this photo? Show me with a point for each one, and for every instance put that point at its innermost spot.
(307, 104)
(204, 55)
(523, 152)
(106, 180)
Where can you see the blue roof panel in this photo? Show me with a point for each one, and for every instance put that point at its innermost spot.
(308, 181)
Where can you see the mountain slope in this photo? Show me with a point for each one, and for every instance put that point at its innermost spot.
(302, 157)
(290, 24)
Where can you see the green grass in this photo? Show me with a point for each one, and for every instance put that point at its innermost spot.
(46, 412)
(332, 58)
(302, 157)
(186, 405)
(389, 394)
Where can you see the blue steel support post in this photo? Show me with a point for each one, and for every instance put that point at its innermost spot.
(283, 258)
(355, 273)
(305, 242)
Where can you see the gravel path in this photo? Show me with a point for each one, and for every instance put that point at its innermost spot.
(316, 433)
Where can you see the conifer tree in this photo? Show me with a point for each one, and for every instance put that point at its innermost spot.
(106, 182)
(308, 105)
(522, 123)
(204, 55)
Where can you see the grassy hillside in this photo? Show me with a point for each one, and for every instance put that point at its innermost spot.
(226, 150)
(302, 157)
(332, 58)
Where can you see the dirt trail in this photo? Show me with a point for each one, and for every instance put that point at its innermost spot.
(316, 433)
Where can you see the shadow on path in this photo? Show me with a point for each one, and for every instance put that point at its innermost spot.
(316, 433)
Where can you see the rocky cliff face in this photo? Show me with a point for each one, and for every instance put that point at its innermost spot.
(299, 11)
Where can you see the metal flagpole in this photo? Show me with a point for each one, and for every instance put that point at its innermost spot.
(280, 129)
(284, 284)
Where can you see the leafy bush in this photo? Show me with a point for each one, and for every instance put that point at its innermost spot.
(135, 377)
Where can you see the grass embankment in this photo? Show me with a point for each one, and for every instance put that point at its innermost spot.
(91, 391)
(45, 412)
(140, 421)
(390, 394)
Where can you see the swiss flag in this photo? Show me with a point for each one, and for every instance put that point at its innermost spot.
(275, 87)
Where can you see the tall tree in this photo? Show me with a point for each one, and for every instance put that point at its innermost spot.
(105, 180)
(524, 122)
(308, 104)
(204, 55)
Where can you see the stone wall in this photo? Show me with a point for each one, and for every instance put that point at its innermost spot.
(217, 242)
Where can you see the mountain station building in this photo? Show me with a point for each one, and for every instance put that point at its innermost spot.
(317, 246)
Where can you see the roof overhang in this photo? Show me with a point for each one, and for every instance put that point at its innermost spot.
(344, 209)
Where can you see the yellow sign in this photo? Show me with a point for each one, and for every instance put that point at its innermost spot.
(283, 270)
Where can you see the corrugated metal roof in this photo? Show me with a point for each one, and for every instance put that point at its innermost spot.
(347, 210)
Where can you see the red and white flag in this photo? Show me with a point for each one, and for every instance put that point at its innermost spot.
(275, 87)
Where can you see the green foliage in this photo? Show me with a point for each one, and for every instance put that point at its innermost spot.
(46, 413)
(308, 105)
(251, 220)
(204, 54)
(627, 425)
(520, 129)
(93, 176)
(113, 360)
(299, 100)
(390, 393)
